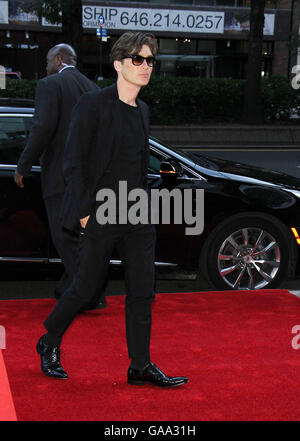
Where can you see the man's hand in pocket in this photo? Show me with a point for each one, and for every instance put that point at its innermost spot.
(84, 221)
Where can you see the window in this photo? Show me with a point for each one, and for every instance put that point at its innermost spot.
(271, 4)
(183, 2)
(14, 132)
(225, 3)
(247, 3)
(154, 162)
(205, 2)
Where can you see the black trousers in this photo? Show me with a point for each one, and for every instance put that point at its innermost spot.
(65, 242)
(136, 248)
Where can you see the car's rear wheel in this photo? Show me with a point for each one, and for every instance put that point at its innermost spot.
(248, 251)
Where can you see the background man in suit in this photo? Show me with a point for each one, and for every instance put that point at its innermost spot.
(108, 143)
(56, 95)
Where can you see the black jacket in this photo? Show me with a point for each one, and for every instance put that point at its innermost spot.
(95, 136)
(56, 95)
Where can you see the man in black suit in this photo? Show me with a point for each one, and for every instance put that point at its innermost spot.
(56, 96)
(108, 144)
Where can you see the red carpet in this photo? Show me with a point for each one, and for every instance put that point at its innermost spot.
(235, 348)
(7, 410)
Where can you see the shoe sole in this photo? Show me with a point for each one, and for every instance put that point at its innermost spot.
(55, 377)
(141, 383)
(38, 348)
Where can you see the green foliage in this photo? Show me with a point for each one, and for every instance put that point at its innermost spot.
(50, 9)
(191, 101)
(181, 100)
(280, 100)
(19, 89)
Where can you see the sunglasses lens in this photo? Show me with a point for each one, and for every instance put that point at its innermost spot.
(150, 61)
(137, 60)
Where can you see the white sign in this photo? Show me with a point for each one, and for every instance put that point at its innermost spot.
(2, 338)
(269, 24)
(164, 20)
(2, 78)
(3, 12)
(154, 19)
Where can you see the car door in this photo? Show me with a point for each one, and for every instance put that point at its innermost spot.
(173, 244)
(23, 222)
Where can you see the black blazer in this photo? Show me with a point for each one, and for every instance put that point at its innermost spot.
(56, 95)
(94, 139)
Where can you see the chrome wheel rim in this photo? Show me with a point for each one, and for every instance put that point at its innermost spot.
(249, 259)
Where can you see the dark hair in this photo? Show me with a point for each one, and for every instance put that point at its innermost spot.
(131, 43)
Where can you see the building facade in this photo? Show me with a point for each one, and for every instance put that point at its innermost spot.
(200, 38)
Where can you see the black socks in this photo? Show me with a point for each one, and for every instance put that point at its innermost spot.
(52, 340)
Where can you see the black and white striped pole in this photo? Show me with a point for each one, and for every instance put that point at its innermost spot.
(99, 36)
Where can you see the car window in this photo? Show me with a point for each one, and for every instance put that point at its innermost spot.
(14, 132)
(154, 162)
(12, 77)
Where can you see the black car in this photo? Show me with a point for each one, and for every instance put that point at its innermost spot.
(251, 215)
(10, 75)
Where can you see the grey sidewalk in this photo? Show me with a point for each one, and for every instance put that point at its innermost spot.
(231, 136)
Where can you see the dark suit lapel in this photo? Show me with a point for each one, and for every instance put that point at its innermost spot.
(145, 121)
(117, 122)
(144, 116)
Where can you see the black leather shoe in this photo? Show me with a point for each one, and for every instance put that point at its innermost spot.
(50, 360)
(151, 374)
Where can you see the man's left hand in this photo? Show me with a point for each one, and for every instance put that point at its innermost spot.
(18, 179)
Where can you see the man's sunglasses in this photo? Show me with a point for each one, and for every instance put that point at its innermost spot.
(138, 60)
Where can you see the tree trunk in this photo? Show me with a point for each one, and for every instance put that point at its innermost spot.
(72, 32)
(252, 97)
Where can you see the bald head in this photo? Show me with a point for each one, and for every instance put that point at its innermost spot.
(60, 55)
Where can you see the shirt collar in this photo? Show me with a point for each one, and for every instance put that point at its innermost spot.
(65, 67)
